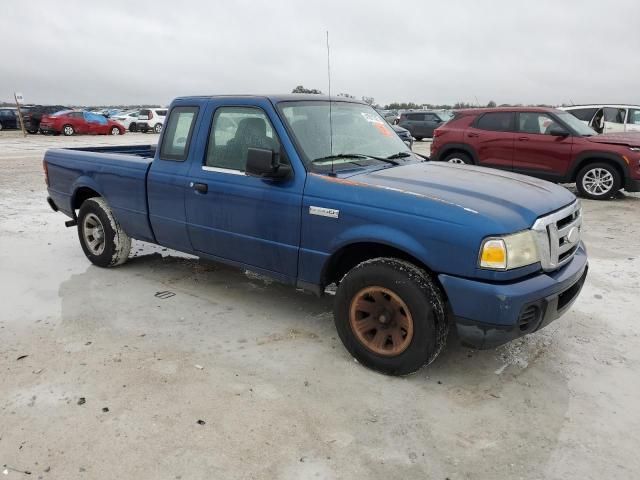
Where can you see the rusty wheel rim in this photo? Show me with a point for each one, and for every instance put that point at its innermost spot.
(381, 321)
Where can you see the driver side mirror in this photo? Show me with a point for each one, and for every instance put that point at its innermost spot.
(557, 131)
(265, 163)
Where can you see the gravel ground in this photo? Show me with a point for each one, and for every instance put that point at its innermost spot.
(235, 376)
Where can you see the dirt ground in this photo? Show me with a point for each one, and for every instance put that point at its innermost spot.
(228, 375)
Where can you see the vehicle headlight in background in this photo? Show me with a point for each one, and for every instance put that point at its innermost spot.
(510, 251)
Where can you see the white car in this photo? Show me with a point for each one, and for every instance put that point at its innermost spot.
(608, 118)
(127, 119)
(151, 119)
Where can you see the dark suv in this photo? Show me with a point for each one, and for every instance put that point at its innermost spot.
(544, 143)
(34, 115)
(422, 124)
(9, 118)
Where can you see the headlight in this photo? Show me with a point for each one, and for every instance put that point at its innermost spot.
(508, 252)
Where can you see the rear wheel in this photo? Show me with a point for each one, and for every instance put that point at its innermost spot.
(458, 157)
(418, 139)
(68, 130)
(103, 240)
(598, 181)
(132, 127)
(157, 128)
(390, 316)
(115, 131)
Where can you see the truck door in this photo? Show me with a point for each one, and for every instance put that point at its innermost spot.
(232, 216)
(168, 182)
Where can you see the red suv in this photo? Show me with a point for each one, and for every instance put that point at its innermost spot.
(544, 143)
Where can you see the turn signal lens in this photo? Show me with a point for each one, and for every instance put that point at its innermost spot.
(493, 254)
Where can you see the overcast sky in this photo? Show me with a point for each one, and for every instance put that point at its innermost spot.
(86, 52)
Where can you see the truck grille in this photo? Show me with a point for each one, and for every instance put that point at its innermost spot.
(558, 236)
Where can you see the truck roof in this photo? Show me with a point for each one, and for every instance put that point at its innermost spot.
(277, 98)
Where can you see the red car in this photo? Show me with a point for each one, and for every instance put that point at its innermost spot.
(70, 122)
(544, 143)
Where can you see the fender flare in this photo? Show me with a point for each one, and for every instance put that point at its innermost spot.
(377, 234)
(594, 156)
(82, 182)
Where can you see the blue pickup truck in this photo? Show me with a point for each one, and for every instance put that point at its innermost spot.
(315, 192)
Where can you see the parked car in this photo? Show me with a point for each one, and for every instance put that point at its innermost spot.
(608, 118)
(264, 184)
(71, 122)
(545, 143)
(421, 124)
(388, 115)
(34, 113)
(151, 119)
(127, 119)
(404, 135)
(9, 119)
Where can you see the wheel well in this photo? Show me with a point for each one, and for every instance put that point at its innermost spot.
(82, 194)
(351, 255)
(591, 160)
(451, 150)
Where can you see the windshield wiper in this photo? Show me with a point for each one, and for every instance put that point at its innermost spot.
(399, 155)
(356, 155)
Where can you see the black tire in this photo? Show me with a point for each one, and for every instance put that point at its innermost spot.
(33, 131)
(458, 157)
(132, 127)
(68, 130)
(157, 128)
(117, 243)
(144, 130)
(418, 139)
(419, 293)
(611, 181)
(1, 126)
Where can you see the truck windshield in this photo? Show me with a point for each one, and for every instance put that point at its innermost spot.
(360, 135)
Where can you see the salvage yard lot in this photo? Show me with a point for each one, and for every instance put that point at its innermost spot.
(166, 341)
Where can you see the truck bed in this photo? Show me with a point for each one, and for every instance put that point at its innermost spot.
(118, 173)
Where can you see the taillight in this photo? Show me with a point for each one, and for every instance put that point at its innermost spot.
(46, 172)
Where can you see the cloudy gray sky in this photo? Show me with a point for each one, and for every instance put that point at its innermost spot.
(86, 52)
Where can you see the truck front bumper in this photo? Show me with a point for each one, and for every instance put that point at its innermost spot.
(491, 314)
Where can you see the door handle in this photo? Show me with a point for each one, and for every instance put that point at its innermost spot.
(472, 135)
(199, 187)
(523, 139)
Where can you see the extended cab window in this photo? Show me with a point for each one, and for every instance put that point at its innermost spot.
(536, 123)
(235, 130)
(496, 121)
(177, 135)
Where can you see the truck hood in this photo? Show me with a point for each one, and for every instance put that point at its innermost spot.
(629, 139)
(508, 201)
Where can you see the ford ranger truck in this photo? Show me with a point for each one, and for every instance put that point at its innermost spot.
(272, 184)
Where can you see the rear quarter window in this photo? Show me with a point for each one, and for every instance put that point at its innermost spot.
(177, 134)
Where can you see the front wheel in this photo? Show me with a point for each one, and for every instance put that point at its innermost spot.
(103, 240)
(598, 181)
(390, 316)
(157, 128)
(68, 130)
(132, 127)
(115, 131)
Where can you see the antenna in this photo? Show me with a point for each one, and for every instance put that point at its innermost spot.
(333, 173)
